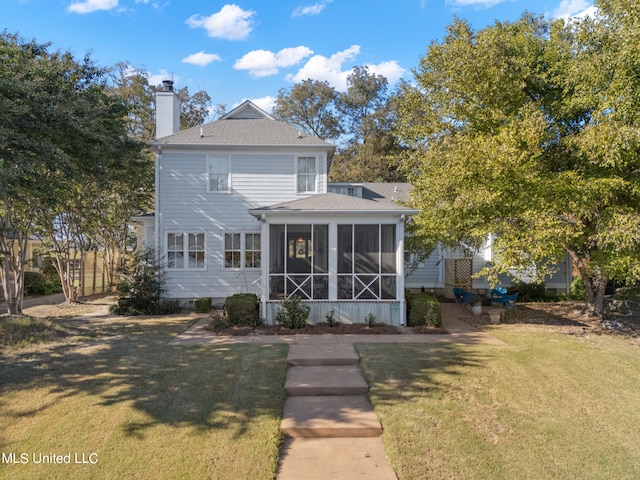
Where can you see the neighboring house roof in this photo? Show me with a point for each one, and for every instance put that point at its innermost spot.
(246, 125)
(335, 203)
(386, 191)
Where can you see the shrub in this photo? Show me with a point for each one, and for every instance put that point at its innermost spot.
(142, 287)
(35, 283)
(293, 313)
(218, 322)
(628, 293)
(242, 309)
(577, 290)
(202, 305)
(423, 310)
(371, 320)
(529, 292)
(331, 319)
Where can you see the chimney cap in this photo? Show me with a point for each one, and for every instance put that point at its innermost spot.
(167, 85)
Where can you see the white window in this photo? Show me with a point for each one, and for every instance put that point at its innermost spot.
(185, 250)
(306, 175)
(252, 250)
(232, 250)
(218, 173)
(242, 250)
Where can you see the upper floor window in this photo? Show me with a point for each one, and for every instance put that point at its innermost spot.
(185, 250)
(306, 175)
(218, 173)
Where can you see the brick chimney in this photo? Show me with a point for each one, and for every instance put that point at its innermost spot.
(167, 110)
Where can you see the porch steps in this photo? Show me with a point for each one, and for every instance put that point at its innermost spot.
(327, 395)
(322, 355)
(330, 417)
(331, 428)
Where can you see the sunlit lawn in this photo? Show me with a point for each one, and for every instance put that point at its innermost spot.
(546, 405)
(144, 409)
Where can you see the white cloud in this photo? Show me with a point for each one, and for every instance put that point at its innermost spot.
(263, 63)
(390, 70)
(265, 103)
(314, 9)
(202, 59)
(328, 69)
(574, 9)
(88, 6)
(156, 79)
(230, 23)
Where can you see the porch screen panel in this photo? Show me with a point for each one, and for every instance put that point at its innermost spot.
(299, 261)
(366, 248)
(388, 248)
(345, 248)
(367, 262)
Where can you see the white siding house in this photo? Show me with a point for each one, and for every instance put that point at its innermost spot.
(242, 206)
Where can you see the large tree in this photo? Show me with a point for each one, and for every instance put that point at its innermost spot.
(311, 107)
(63, 145)
(530, 132)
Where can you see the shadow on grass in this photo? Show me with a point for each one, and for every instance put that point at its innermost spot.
(398, 373)
(129, 361)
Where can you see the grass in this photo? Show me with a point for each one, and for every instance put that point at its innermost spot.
(546, 405)
(144, 409)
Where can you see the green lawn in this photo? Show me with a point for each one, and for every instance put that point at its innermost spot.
(142, 408)
(546, 405)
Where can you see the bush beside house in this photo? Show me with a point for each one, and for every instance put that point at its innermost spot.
(242, 309)
(423, 309)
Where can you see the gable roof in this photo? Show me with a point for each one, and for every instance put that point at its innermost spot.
(334, 203)
(245, 125)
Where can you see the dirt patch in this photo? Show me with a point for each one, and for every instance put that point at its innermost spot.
(562, 317)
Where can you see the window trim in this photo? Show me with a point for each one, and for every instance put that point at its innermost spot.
(210, 158)
(316, 174)
(185, 250)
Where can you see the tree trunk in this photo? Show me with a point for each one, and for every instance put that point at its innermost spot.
(12, 272)
(595, 284)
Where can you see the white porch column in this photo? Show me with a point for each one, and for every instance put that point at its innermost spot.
(400, 268)
(265, 241)
(333, 260)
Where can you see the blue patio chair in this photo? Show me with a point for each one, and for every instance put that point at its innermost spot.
(507, 301)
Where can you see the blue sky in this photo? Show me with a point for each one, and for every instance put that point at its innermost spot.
(239, 50)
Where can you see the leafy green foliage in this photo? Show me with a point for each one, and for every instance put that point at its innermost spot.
(529, 292)
(36, 283)
(371, 320)
(242, 309)
(202, 305)
(423, 309)
(293, 313)
(141, 287)
(330, 318)
(310, 106)
(529, 131)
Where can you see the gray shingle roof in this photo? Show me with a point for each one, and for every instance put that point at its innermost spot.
(336, 203)
(247, 125)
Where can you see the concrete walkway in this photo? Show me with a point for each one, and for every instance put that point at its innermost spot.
(330, 428)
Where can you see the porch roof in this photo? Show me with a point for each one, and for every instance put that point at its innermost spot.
(335, 203)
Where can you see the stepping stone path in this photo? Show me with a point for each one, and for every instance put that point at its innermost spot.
(330, 427)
